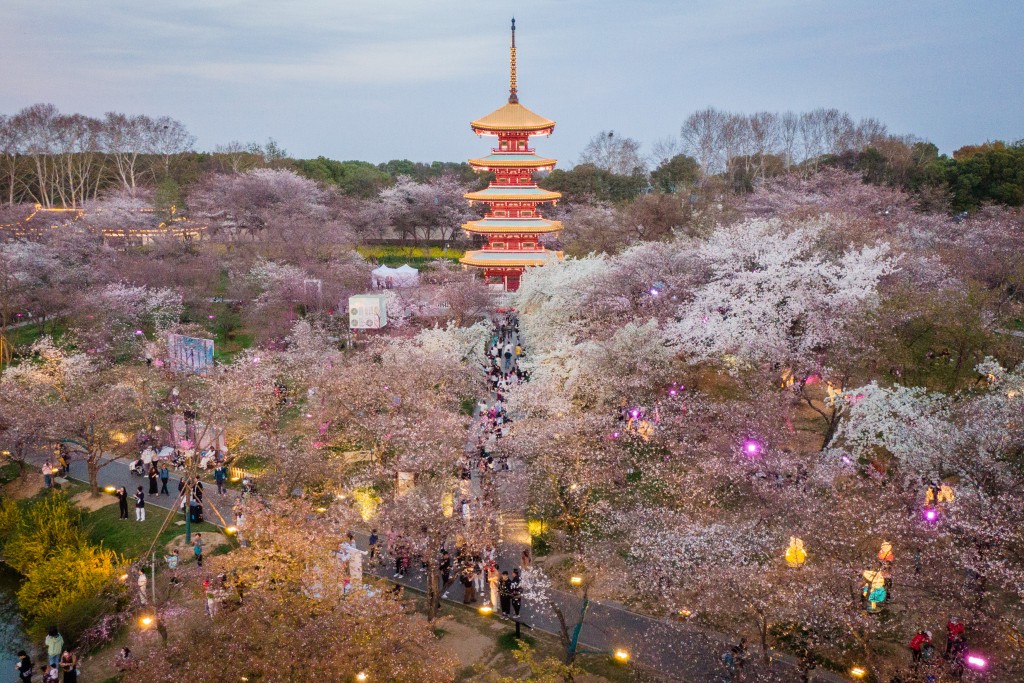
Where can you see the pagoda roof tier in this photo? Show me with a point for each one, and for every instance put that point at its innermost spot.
(510, 118)
(499, 193)
(509, 258)
(512, 225)
(515, 160)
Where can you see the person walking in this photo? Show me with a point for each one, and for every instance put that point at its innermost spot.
(526, 560)
(47, 475)
(220, 475)
(165, 476)
(69, 666)
(140, 505)
(197, 550)
(54, 642)
(122, 502)
(505, 594)
(154, 480)
(516, 590)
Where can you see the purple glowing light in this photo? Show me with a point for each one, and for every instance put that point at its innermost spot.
(672, 392)
(752, 447)
(635, 413)
(211, 317)
(138, 333)
(654, 292)
(931, 515)
(615, 435)
(976, 662)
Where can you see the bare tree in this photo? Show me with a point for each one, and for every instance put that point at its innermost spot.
(614, 154)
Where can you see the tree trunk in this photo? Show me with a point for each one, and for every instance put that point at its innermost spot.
(433, 592)
(94, 474)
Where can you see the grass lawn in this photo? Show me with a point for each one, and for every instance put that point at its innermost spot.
(393, 255)
(131, 538)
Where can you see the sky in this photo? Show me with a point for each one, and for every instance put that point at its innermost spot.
(392, 79)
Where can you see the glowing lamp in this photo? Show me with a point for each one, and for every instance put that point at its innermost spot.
(635, 413)
(621, 656)
(138, 333)
(576, 580)
(235, 478)
(231, 530)
(930, 514)
(654, 292)
(146, 621)
(672, 392)
(109, 489)
(485, 609)
(796, 555)
(321, 510)
(123, 577)
(976, 662)
(615, 435)
(211, 317)
(752, 448)
(361, 676)
(858, 672)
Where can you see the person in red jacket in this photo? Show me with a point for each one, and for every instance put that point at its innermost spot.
(921, 641)
(954, 634)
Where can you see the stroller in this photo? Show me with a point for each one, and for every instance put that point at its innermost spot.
(138, 468)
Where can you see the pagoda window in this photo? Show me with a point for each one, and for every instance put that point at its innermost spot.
(497, 245)
(529, 245)
(500, 214)
(526, 214)
(504, 145)
(521, 145)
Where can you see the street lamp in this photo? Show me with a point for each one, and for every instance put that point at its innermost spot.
(146, 621)
(858, 672)
(576, 580)
(621, 656)
(361, 676)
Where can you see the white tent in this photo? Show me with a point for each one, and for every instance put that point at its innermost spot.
(386, 277)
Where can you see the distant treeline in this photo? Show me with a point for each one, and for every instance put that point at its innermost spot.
(64, 160)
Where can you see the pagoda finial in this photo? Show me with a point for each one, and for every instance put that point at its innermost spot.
(513, 90)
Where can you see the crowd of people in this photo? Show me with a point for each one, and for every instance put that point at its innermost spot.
(61, 662)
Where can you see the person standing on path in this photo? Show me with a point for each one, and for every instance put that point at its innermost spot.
(374, 543)
(492, 582)
(24, 666)
(154, 479)
(69, 665)
(172, 564)
(505, 594)
(165, 476)
(47, 475)
(516, 590)
(54, 642)
(143, 582)
(220, 475)
(122, 502)
(140, 505)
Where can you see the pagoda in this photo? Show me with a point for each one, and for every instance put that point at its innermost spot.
(513, 224)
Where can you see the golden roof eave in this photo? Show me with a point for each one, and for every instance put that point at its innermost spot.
(512, 117)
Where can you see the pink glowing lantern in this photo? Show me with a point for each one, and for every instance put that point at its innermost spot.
(615, 435)
(976, 662)
(211, 317)
(635, 413)
(672, 392)
(654, 292)
(931, 515)
(138, 333)
(752, 448)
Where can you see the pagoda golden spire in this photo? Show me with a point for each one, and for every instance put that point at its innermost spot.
(513, 90)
